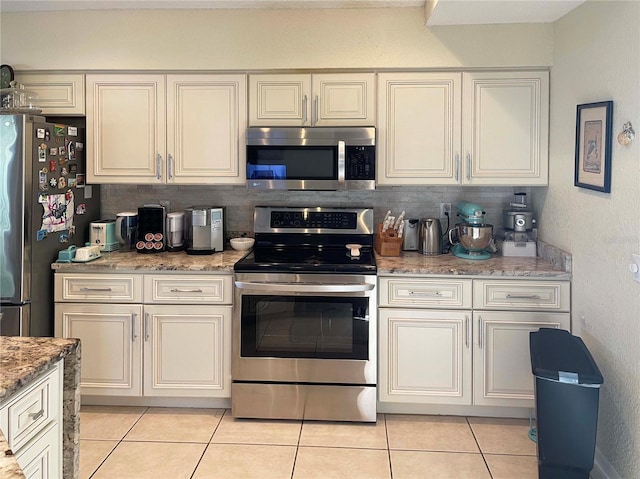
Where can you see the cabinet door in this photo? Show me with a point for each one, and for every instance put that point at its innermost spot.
(187, 351)
(506, 128)
(419, 137)
(206, 124)
(279, 100)
(425, 356)
(126, 129)
(59, 94)
(502, 364)
(111, 346)
(343, 99)
(43, 457)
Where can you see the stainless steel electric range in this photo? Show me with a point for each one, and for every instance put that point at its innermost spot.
(304, 326)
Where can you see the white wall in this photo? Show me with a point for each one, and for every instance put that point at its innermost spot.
(261, 39)
(597, 57)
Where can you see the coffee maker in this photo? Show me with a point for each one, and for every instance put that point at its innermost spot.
(151, 229)
(204, 229)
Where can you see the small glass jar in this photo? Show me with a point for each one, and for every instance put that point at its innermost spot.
(17, 99)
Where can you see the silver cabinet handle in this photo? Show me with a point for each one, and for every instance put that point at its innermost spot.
(469, 166)
(169, 166)
(146, 326)
(96, 289)
(305, 287)
(304, 110)
(134, 317)
(467, 331)
(425, 293)
(523, 296)
(480, 325)
(36, 415)
(457, 167)
(158, 166)
(177, 290)
(342, 162)
(315, 110)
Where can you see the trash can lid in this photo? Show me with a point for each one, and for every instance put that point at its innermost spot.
(557, 354)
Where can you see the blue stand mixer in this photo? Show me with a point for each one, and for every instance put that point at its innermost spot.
(473, 236)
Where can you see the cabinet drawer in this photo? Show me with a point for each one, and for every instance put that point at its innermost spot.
(28, 413)
(423, 292)
(110, 288)
(188, 289)
(525, 295)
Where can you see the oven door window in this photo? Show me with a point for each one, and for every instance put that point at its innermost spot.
(292, 162)
(305, 327)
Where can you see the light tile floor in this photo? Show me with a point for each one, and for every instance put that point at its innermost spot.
(140, 443)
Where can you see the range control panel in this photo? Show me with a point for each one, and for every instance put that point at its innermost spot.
(313, 219)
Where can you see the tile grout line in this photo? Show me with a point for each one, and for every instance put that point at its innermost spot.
(386, 435)
(295, 457)
(484, 459)
(206, 447)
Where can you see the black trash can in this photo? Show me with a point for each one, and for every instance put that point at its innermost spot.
(567, 387)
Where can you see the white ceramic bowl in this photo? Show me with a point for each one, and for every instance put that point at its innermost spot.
(242, 244)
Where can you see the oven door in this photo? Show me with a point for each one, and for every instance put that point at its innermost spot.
(318, 328)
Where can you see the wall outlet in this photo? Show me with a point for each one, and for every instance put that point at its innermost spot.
(445, 209)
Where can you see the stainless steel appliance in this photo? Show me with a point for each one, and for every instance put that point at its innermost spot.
(44, 208)
(473, 235)
(411, 235)
(204, 229)
(175, 231)
(430, 237)
(127, 229)
(320, 158)
(520, 234)
(151, 229)
(304, 325)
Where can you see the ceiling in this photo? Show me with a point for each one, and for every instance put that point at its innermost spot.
(442, 12)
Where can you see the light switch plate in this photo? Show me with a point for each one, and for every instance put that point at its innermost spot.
(634, 267)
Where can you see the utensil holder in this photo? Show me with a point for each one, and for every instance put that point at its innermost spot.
(387, 243)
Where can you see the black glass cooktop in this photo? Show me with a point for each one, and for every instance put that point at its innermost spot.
(307, 259)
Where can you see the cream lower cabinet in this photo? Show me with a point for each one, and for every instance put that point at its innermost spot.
(475, 352)
(31, 420)
(166, 129)
(476, 128)
(174, 340)
(425, 349)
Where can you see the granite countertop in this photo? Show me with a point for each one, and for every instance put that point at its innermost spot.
(118, 261)
(22, 360)
(550, 262)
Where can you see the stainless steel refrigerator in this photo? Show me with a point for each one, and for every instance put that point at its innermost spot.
(45, 207)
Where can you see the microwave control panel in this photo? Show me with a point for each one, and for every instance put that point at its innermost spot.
(360, 163)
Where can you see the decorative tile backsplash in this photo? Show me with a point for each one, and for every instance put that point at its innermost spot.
(416, 201)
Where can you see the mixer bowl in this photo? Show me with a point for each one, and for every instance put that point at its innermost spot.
(474, 237)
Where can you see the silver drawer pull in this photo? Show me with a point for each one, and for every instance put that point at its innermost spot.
(177, 290)
(36, 415)
(523, 296)
(96, 289)
(425, 293)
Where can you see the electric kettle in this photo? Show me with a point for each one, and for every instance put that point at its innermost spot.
(430, 237)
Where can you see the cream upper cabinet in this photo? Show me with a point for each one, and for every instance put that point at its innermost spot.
(463, 128)
(340, 99)
(506, 128)
(157, 129)
(58, 93)
(419, 123)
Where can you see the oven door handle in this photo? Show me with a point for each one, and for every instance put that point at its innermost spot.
(277, 287)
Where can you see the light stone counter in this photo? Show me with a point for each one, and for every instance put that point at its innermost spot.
(554, 263)
(179, 261)
(24, 359)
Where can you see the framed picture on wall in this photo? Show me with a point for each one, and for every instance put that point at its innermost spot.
(593, 146)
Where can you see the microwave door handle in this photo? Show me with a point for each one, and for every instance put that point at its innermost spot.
(341, 165)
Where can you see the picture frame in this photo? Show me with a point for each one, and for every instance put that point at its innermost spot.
(594, 122)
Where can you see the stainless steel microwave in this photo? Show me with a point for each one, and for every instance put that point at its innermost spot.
(319, 158)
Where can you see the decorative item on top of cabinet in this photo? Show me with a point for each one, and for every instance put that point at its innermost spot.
(324, 99)
(58, 93)
(173, 129)
(503, 139)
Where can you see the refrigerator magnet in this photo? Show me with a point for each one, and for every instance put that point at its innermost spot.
(41, 234)
(52, 166)
(72, 131)
(62, 182)
(40, 133)
(53, 182)
(63, 238)
(64, 171)
(79, 146)
(73, 169)
(72, 231)
(61, 150)
(71, 181)
(42, 153)
(59, 130)
(47, 134)
(80, 180)
(71, 150)
(53, 151)
(42, 198)
(81, 209)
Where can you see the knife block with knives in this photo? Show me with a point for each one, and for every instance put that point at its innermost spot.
(387, 243)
